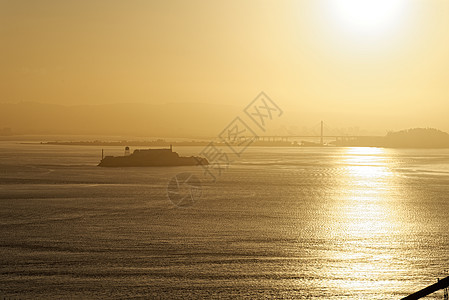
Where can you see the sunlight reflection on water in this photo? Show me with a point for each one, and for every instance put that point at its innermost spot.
(367, 217)
(332, 223)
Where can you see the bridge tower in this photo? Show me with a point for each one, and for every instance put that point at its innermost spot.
(322, 131)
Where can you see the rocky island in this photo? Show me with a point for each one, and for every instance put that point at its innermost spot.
(151, 158)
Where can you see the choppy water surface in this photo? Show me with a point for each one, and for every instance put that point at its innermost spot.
(332, 223)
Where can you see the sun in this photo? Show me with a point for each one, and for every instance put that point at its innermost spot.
(367, 17)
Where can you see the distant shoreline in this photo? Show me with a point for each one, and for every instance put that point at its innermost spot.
(161, 143)
(416, 138)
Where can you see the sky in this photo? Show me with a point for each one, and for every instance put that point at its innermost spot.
(375, 64)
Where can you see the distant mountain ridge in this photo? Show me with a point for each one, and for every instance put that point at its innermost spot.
(408, 138)
(170, 120)
(167, 120)
(417, 137)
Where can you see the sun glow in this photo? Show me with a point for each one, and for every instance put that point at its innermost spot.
(367, 17)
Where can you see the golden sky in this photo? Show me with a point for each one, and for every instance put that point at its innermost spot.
(363, 60)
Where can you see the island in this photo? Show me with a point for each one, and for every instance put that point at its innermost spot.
(408, 138)
(151, 158)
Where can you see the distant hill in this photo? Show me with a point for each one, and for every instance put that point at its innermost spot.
(417, 138)
(6, 131)
(134, 119)
(170, 120)
(409, 138)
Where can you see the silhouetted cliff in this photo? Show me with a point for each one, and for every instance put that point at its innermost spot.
(409, 138)
(417, 138)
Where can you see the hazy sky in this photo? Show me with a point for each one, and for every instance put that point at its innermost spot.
(384, 59)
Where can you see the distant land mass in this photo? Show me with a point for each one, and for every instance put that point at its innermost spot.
(6, 131)
(119, 119)
(164, 143)
(409, 138)
(192, 120)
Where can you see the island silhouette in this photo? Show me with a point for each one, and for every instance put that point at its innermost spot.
(151, 158)
(409, 138)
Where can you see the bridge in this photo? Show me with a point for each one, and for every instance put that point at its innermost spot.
(321, 136)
